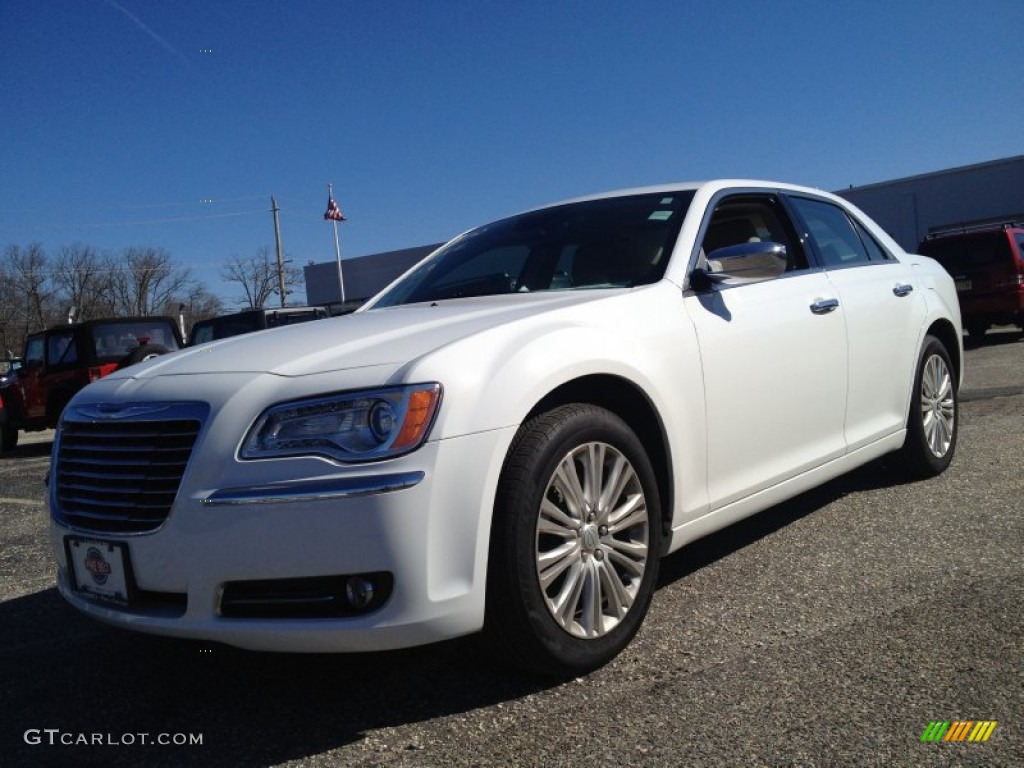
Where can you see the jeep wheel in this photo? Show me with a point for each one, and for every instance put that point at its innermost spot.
(976, 331)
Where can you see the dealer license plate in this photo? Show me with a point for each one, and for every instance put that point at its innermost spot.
(963, 285)
(99, 569)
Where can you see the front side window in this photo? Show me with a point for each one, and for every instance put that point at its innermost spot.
(834, 236)
(609, 243)
(34, 351)
(760, 227)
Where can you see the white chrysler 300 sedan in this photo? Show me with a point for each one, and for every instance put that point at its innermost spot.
(511, 435)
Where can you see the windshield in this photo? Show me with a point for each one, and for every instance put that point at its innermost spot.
(609, 243)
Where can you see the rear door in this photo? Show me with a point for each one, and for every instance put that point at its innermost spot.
(884, 308)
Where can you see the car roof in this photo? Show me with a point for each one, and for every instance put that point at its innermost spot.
(711, 186)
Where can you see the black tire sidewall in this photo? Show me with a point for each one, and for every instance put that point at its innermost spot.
(8, 438)
(519, 594)
(918, 454)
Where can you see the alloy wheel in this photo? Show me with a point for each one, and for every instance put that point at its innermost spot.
(938, 409)
(592, 540)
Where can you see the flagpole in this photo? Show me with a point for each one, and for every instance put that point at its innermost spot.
(337, 249)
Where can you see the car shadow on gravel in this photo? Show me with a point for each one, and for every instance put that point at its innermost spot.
(994, 339)
(880, 473)
(63, 671)
(25, 450)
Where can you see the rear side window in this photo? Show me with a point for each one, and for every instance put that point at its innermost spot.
(836, 240)
(875, 251)
(201, 333)
(60, 349)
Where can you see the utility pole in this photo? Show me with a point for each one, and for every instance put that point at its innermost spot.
(280, 254)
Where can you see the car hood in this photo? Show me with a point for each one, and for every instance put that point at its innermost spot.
(393, 335)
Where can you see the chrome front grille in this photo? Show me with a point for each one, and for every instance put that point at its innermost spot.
(120, 476)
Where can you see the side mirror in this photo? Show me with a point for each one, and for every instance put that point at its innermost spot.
(743, 263)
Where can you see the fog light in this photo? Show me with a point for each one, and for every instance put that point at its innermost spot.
(358, 592)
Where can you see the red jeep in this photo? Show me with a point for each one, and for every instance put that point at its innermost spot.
(61, 360)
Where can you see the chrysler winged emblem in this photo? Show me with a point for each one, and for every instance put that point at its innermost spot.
(106, 412)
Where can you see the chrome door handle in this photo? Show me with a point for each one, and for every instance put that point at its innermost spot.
(902, 289)
(824, 306)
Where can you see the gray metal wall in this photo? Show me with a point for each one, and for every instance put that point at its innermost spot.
(907, 208)
(364, 276)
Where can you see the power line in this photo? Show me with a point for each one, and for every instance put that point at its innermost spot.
(136, 206)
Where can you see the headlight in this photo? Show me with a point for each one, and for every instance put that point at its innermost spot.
(348, 426)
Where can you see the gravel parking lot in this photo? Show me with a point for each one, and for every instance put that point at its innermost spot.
(829, 630)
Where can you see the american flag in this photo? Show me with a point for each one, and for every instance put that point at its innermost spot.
(333, 211)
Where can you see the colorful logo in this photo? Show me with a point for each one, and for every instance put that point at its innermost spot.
(959, 730)
(97, 566)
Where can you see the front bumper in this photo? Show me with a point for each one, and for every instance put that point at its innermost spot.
(423, 518)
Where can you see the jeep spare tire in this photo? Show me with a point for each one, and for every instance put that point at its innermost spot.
(143, 352)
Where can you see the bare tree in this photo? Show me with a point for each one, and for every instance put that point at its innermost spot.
(257, 276)
(144, 280)
(80, 280)
(31, 286)
(36, 291)
(11, 332)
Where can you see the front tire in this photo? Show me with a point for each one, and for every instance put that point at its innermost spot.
(934, 419)
(575, 542)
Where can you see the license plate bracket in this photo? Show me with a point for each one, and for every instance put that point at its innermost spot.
(100, 569)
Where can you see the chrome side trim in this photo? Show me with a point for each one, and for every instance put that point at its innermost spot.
(313, 490)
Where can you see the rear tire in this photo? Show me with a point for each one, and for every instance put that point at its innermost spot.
(8, 438)
(976, 331)
(575, 542)
(934, 419)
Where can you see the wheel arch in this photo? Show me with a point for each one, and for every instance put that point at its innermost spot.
(945, 332)
(630, 403)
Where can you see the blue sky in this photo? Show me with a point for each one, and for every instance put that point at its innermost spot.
(119, 119)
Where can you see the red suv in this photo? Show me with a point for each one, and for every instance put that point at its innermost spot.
(61, 360)
(987, 263)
